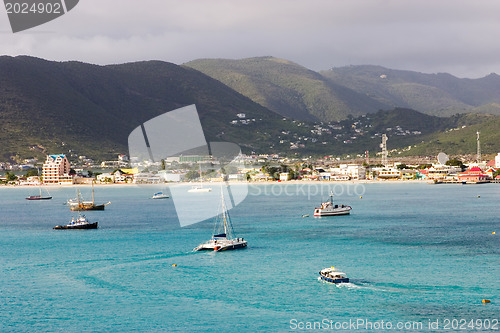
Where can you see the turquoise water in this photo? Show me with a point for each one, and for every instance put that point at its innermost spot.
(416, 254)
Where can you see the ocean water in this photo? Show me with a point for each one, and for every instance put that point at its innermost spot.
(420, 258)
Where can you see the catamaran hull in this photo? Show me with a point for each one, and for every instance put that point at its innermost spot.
(220, 247)
(231, 247)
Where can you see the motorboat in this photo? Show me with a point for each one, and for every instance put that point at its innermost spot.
(332, 275)
(80, 223)
(328, 208)
(160, 195)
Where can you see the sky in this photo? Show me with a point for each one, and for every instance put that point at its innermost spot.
(460, 37)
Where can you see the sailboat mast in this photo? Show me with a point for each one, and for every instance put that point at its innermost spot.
(224, 217)
(93, 201)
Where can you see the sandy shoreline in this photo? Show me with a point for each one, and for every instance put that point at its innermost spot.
(287, 182)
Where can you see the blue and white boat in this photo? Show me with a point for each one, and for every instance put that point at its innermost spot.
(160, 195)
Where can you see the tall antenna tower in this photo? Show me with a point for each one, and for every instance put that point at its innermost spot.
(383, 145)
(478, 148)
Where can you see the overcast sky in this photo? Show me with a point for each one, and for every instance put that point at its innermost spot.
(460, 37)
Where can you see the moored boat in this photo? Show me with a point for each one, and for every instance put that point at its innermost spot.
(332, 275)
(80, 205)
(328, 208)
(199, 189)
(79, 223)
(40, 196)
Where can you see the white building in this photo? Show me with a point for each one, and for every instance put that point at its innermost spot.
(171, 177)
(348, 172)
(105, 178)
(146, 178)
(387, 173)
(56, 170)
(284, 176)
(497, 161)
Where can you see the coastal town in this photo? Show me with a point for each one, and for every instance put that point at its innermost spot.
(58, 170)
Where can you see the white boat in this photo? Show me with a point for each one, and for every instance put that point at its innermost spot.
(223, 237)
(332, 275)
(160, 195)
(200, 188)
(328, 208)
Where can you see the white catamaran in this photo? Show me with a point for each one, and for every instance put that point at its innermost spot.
(223, 235)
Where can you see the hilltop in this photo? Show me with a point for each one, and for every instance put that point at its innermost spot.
(289, 89)
(331, 95)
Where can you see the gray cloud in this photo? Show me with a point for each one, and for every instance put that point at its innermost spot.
(455, 36)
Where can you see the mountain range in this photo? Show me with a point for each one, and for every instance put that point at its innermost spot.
(263, 104)
(297, 92)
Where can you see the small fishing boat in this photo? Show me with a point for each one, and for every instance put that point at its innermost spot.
(223, 237)
(79, 223)
(160, 195)
(329, 209)
(332, 275)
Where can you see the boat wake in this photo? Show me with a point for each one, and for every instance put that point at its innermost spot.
(358, 285)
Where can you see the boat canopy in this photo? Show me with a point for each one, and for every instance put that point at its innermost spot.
(220, 236)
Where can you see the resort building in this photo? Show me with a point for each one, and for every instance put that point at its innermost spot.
(474, 175)
(56, 170)
(387, 173)
(441, 171)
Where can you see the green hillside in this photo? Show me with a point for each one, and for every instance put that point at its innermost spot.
(426, 134)
(91, 110)
(462, 139)
(287, 88)
(439, 94)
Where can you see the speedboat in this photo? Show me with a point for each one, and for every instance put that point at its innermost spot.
(80, 223)
(328, 208)
(332, 275)
(160, 195)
